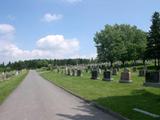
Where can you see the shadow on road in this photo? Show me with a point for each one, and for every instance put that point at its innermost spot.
(86, 112)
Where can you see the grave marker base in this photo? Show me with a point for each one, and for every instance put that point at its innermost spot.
(125, 81)
(105, 79)
(152, 84)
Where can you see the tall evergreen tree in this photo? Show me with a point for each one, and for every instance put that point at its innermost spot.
(153, 44)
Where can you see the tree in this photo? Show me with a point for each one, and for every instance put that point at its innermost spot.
(108, 43)
(134, 43)
(153, 40)
(120, 43)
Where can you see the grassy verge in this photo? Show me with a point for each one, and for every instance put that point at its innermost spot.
(119, 97)
(6, 87)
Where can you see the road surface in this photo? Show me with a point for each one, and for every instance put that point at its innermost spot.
(38, 99)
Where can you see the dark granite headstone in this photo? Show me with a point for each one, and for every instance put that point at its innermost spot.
(152, 78)
(94, 74)
(107, 76)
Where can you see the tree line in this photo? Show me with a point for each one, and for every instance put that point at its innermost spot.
(39, 63)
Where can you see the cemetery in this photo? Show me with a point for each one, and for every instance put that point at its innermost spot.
(124, 77)
(125, 91)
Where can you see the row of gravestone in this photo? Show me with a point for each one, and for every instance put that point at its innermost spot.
(73, 72)
(107, 75)
(151, 77)
(5, 75)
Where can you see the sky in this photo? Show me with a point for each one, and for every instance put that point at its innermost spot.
(57, 29)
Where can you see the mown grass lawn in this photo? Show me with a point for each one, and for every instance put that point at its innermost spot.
(7, 86)
(119, 97)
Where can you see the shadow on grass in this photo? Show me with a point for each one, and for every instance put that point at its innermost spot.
(124, 105)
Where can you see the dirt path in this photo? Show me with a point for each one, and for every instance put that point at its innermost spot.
(38, 99)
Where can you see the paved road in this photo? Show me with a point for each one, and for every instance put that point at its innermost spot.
(38, 99)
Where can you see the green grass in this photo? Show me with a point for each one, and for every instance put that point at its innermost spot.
(119, 97)
(6, 87)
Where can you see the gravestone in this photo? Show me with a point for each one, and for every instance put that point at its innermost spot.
(72, 72)
(94, 74)
(69, 72)
(107, 75)
(79, 72)
(125, 76)
(17, 73)
(3, 75)
(66, 71)
(75, 72)
(152, 78)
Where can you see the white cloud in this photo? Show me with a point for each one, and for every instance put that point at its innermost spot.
(58, 43)
(49, 47)
(10, 52)
(6, 28)
(48, 17)
(6, 32)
